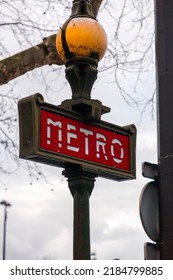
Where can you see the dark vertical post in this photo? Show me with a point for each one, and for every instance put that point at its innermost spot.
(164, 70)
(6, 204)
(81, 184)
(4, 235)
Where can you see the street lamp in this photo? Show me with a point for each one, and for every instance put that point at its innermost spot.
(81, 43)
(6, 204)
(81, 35)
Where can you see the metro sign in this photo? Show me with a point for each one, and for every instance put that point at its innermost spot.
(88, 142)
(58, 136)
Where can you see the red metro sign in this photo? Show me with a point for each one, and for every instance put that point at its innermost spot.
(60, 136)
(84, 141)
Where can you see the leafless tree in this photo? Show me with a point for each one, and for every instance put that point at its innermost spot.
(31, 26)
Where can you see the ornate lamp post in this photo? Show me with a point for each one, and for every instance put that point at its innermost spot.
(81, 43)
(72, 135)
(6, 204)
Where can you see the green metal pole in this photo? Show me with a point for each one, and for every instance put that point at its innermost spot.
(81, 184)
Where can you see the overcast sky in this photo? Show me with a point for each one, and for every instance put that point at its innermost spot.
(40, 221)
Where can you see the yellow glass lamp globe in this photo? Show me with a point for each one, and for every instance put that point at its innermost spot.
(85, 37)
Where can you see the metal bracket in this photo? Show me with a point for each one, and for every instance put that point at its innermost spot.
(91, 109)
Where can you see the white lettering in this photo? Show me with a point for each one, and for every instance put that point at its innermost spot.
(100, 145)
(117, 142)
(48, 135)
(87, 133)
(71, 136)
(59, 124)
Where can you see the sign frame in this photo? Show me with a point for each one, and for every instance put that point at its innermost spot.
(29, 109)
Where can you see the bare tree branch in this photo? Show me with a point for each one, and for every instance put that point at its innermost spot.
(42, 54)
(37, 56)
